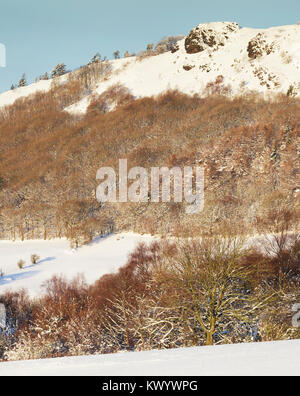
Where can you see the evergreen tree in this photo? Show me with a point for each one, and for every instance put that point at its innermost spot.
(96, 58)
(117, 54)
(59, 70)
(22, 82)
(12, 87)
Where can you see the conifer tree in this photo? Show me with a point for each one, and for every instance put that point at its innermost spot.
(22, 82)
(59, 70)
(117, 54)
(96, 58)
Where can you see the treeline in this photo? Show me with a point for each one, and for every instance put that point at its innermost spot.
(188, 292)
(166, 44)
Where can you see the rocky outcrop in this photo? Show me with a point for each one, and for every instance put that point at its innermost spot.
(188, 67)
(175, 48)
(209, 35)
(259, 47)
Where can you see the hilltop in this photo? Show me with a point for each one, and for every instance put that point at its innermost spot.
(261, 60)
(223, 97)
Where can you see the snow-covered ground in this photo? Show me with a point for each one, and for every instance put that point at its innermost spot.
(272, 359)
(9, 97)
(156, 74)
(101, 257)
(268, 74)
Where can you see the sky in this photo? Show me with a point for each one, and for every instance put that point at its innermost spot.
(39, 34)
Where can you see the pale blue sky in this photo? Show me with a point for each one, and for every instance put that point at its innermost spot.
(38, 34)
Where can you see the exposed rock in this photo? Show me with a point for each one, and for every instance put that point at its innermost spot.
(266, 78)
(209, 35)
(188, 67)
(205, 68)
(175, 48)
(259, 47)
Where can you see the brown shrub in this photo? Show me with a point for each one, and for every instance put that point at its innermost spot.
(168, 295)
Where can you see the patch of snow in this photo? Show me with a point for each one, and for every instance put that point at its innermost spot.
(9, 97)
(102, 256)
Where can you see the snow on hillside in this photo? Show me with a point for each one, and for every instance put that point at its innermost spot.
(272, 65)
(190, 73)
(101, 257)
(257, 359)
(9, 97)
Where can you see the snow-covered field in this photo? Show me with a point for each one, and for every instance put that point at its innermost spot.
(272, 359)
(101, 257)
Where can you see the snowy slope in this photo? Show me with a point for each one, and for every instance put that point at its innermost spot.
(101, 257)
(156, 74)
(273, 72)
(9, 97)
(274, 358)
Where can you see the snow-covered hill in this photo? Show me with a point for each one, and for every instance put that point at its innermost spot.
(101, 257)
(257, 359)
(263, 60)
(9, 97)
